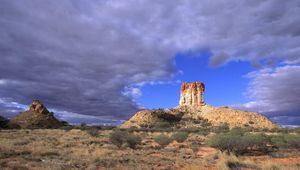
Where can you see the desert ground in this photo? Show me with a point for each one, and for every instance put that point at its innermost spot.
(95, 148)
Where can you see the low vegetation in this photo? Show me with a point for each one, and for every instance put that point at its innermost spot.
(180, 136)
(238, 142)
(93, 132)
(282, 140)
(95, 147)
(133, 140)
(162, 140)
(118, 137)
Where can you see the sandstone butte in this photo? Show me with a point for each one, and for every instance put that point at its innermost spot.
(37, 116)
(192, 111)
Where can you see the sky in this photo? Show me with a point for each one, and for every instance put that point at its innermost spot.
(101, 61)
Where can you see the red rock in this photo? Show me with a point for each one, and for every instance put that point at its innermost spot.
(192, 94)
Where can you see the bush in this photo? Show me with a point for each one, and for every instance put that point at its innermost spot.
(162, 125)
(237, 142)
(293, 140)
(224, 141)
(93, 132)
(278, 141)
(222, 128)
(180, 136)
(162, 140)
(286, 141)
(67, 128)
(118, 137)
(133, 140)
(204, 131)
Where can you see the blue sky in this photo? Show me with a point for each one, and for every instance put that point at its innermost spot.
(225, 85)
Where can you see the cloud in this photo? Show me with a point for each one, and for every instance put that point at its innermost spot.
(132, 92)
(78, 56)
(275, 92)
(218, 59)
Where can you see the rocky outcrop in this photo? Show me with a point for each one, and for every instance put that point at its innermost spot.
(37, 116)
(192, 94)
(3, 122)
(193, 112)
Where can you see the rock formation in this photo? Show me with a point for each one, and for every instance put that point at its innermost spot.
(37, 116)
(192, 94)
(193, 112)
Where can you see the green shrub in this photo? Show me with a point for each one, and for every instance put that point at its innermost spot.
(180, 136)
(293, 140)
(221, 129)
(237, 131)
(238, 142)
(248, 142)
(203, 131)
(118, 137)
(162, 140)
(162, 125)
(133, 140)
(224, 141)
(93, 132)
(286, 141)
(278, 141)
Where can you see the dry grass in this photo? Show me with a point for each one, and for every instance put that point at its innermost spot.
(77, 149)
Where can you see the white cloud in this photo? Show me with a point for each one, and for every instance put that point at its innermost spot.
(132, 92)
(275, 92)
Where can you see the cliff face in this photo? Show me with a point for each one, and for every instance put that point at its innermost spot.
(192, 94)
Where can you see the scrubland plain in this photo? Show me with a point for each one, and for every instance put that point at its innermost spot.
(94, 148)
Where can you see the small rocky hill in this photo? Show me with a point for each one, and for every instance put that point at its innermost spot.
(37, 116)
(3, 122)
(193, 112)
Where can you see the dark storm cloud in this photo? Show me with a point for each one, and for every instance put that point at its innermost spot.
(78, 56)
(72, 57)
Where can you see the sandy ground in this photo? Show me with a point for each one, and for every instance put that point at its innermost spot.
(76, 149)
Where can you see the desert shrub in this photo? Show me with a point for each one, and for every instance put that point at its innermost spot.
(285, 141)
(67, 128)
(50, 153)
(250, 142)
(296, 130)
(118, 137)
(278, 141)
(162, 125)
(203, 131)
(21, 143)
(94, 132)
(162, 140)
(237, 131)
(224, 141)
(190, 130)
(180, 136)
(293, 140)
(221, 129)
(133, 140)
(197, 121)
(238, 142)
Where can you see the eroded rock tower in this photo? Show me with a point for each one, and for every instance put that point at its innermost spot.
(192, 94)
